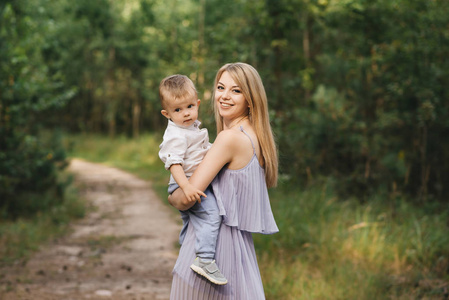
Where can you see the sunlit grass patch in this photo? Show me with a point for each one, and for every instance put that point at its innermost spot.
(331, 248)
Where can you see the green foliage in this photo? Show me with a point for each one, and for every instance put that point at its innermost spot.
(389, 71)
(362, 99)
(357, 89)
(28, 164)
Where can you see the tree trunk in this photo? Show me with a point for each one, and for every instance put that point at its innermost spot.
(201, 52)
(306, 49)
(111, 95)
(136, 118)
(425, 168)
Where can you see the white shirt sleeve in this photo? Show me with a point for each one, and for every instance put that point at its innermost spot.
(173, 148)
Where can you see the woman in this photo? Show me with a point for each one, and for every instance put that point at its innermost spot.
(240, 166)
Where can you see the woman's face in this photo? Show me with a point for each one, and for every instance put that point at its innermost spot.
(229, 98)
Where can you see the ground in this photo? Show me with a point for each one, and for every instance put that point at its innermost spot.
(125, 247)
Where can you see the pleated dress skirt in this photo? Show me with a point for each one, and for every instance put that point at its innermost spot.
(236, 258)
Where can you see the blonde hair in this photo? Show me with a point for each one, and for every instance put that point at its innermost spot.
(250, 83)
(176, 87)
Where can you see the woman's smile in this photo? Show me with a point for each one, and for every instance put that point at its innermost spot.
(226, 104)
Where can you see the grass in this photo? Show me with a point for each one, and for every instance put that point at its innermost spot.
(327, 247)
(330, 248)
(21, 237)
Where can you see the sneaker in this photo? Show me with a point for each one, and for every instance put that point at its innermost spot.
(209, 270)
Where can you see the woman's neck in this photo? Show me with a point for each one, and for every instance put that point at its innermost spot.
(228, 124)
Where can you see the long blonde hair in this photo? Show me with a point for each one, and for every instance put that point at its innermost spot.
(250, 83)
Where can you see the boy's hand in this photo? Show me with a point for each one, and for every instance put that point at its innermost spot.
(193, 194)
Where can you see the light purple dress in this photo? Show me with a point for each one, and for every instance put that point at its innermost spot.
(242, 198)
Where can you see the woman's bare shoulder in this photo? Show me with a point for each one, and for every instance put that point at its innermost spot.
(227, 136)
(228, 139)
(232, 136)
(234, 139)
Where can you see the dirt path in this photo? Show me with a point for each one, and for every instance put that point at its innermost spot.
(123, 249)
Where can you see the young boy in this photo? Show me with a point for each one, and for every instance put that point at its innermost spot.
(183, 148)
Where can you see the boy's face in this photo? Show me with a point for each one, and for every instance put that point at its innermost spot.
(183, 112)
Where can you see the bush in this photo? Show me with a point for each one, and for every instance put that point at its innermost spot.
(29, 174)
(28, 162)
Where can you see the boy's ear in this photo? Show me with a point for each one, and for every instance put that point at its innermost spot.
(165, 114)
(199, 101)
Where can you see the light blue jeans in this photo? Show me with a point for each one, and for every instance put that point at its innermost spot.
(206, 222)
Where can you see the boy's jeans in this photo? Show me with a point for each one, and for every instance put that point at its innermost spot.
(206, 222)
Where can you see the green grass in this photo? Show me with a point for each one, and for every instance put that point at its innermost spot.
(330, 248)
(327, 247)
(20, 238)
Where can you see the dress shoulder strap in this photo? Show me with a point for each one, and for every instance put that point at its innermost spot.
(242, 130)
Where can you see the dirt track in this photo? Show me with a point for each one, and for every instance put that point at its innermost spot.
(123, 249)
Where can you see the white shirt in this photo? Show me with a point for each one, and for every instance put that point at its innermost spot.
(184, 145)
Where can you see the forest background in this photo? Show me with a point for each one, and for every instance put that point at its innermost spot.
(358, 102)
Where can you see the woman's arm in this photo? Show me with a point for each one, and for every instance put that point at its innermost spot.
(189, 190)
(220, 154)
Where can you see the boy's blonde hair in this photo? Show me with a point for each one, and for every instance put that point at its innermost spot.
(250, 83)
(176, 87)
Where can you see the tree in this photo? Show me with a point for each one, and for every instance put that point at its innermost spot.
(27, 165)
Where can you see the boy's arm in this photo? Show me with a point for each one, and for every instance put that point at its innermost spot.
(221, 153)
(189, 190)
